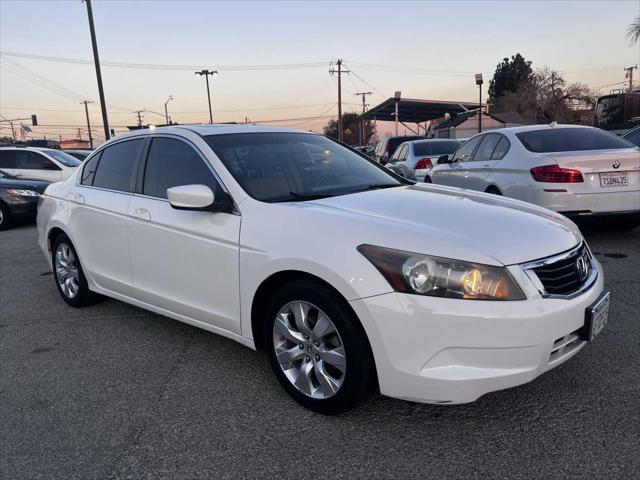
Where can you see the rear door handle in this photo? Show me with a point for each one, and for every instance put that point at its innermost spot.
(142, 214)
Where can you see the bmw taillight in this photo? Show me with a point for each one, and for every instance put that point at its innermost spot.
(423, 163)
(555, 174)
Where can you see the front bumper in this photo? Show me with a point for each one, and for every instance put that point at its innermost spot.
(439, 350)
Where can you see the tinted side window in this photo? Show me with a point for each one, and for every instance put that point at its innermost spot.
(501, 149)
(7, 159)
(89, 170)
(115, 169)
(463, 154)
(485, 150)
(34, 161)
(633, 137)
(171, 163)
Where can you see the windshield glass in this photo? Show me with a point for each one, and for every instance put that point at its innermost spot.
(64, 158)
(570, 140)
(434, 147)
(274, 167)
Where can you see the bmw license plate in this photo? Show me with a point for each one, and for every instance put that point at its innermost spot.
(614, 179)
(596, 317)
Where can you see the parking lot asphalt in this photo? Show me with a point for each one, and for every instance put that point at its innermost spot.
(112, 392)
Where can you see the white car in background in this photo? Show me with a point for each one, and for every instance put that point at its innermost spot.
(577, 171)
(348, 276)
(34, 163)
(413, 159)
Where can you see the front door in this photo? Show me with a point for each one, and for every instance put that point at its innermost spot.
(183, 261)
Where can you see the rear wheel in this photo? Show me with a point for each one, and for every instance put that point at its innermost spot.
(5, 217)
(493, 190)
(317, 348)
(67, 273)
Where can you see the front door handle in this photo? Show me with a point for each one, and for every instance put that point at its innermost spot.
(142, 214)
(77, 198)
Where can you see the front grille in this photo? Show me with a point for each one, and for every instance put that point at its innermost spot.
(566, 275)
(565, 345)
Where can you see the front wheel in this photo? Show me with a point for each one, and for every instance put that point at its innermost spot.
(5, 217)
(317, 348)
(67, 272)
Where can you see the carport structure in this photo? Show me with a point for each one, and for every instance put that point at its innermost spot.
(411, 110)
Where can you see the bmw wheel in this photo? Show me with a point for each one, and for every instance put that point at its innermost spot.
(317, 348)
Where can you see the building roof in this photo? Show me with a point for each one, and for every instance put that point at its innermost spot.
(414, 110)
(457, 120)
(504, 117)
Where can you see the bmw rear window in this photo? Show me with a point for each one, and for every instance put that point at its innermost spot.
(435, 147)
(570, 140)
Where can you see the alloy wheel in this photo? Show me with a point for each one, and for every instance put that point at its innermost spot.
(66, 268)
(309, 349)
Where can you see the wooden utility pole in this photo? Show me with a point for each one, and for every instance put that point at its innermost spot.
(362, 134)
(629, 74)
(86, 111)
(339, 71)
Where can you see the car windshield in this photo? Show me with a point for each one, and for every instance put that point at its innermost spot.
(64, 158)
(276, 167)
(435, 147)
(570, 140)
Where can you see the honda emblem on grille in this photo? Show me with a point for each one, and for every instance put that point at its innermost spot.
(582, 267)
(616, 164)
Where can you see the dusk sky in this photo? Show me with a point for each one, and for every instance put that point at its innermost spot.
(425, 49)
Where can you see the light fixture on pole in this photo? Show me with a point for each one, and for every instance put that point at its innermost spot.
(166, 113)
(206, 74)
(479, 82)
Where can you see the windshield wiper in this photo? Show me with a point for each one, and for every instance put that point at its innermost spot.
(375, 186)
(301, 197)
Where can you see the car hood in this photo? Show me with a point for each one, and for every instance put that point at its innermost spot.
(507, 230)
(36, 185)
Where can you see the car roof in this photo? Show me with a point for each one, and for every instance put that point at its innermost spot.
(20, 147)
(531, 128)
(431, 140)
(213, 129)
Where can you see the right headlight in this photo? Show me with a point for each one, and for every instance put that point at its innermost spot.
(419, 274)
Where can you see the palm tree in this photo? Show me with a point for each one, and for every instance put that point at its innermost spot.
(633, 33)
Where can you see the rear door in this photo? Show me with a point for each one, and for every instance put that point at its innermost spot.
(34, 165)
(99, 217)
(183, 261)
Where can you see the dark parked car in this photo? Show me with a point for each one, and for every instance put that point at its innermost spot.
(79, 153)
(18, 199)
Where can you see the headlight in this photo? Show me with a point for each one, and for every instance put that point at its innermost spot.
(418, 274)
(16, 192)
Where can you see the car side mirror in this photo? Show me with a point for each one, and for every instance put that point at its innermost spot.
(444, 159)
(191, 197)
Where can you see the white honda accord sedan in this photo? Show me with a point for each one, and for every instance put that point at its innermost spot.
(578, 171)
(348, 276)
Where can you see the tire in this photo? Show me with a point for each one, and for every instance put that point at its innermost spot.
(493, 190)
(75, 291)
(317, 376)
(5, 217)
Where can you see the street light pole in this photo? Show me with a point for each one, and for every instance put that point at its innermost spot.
(479, 82)
(166, 112)
(206, 74)
(96, 60)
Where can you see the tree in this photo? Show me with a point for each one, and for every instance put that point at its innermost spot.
(509, 76)
(633, 33)
(351, 126)
(547, 97)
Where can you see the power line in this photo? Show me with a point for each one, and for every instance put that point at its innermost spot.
(150, 66)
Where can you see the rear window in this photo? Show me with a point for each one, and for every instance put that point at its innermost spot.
(64, 158)
(570, 140)
(395, 142)
(435, 147)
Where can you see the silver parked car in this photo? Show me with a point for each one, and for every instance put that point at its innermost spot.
(413, 159)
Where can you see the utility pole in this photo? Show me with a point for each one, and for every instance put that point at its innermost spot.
(86, 111)
(339, 71)
(397, 95)
(479, 83)
(206, 74)
(364, 108)
(139, 114)
(96, 60)
(166, 112)
(629, 75)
